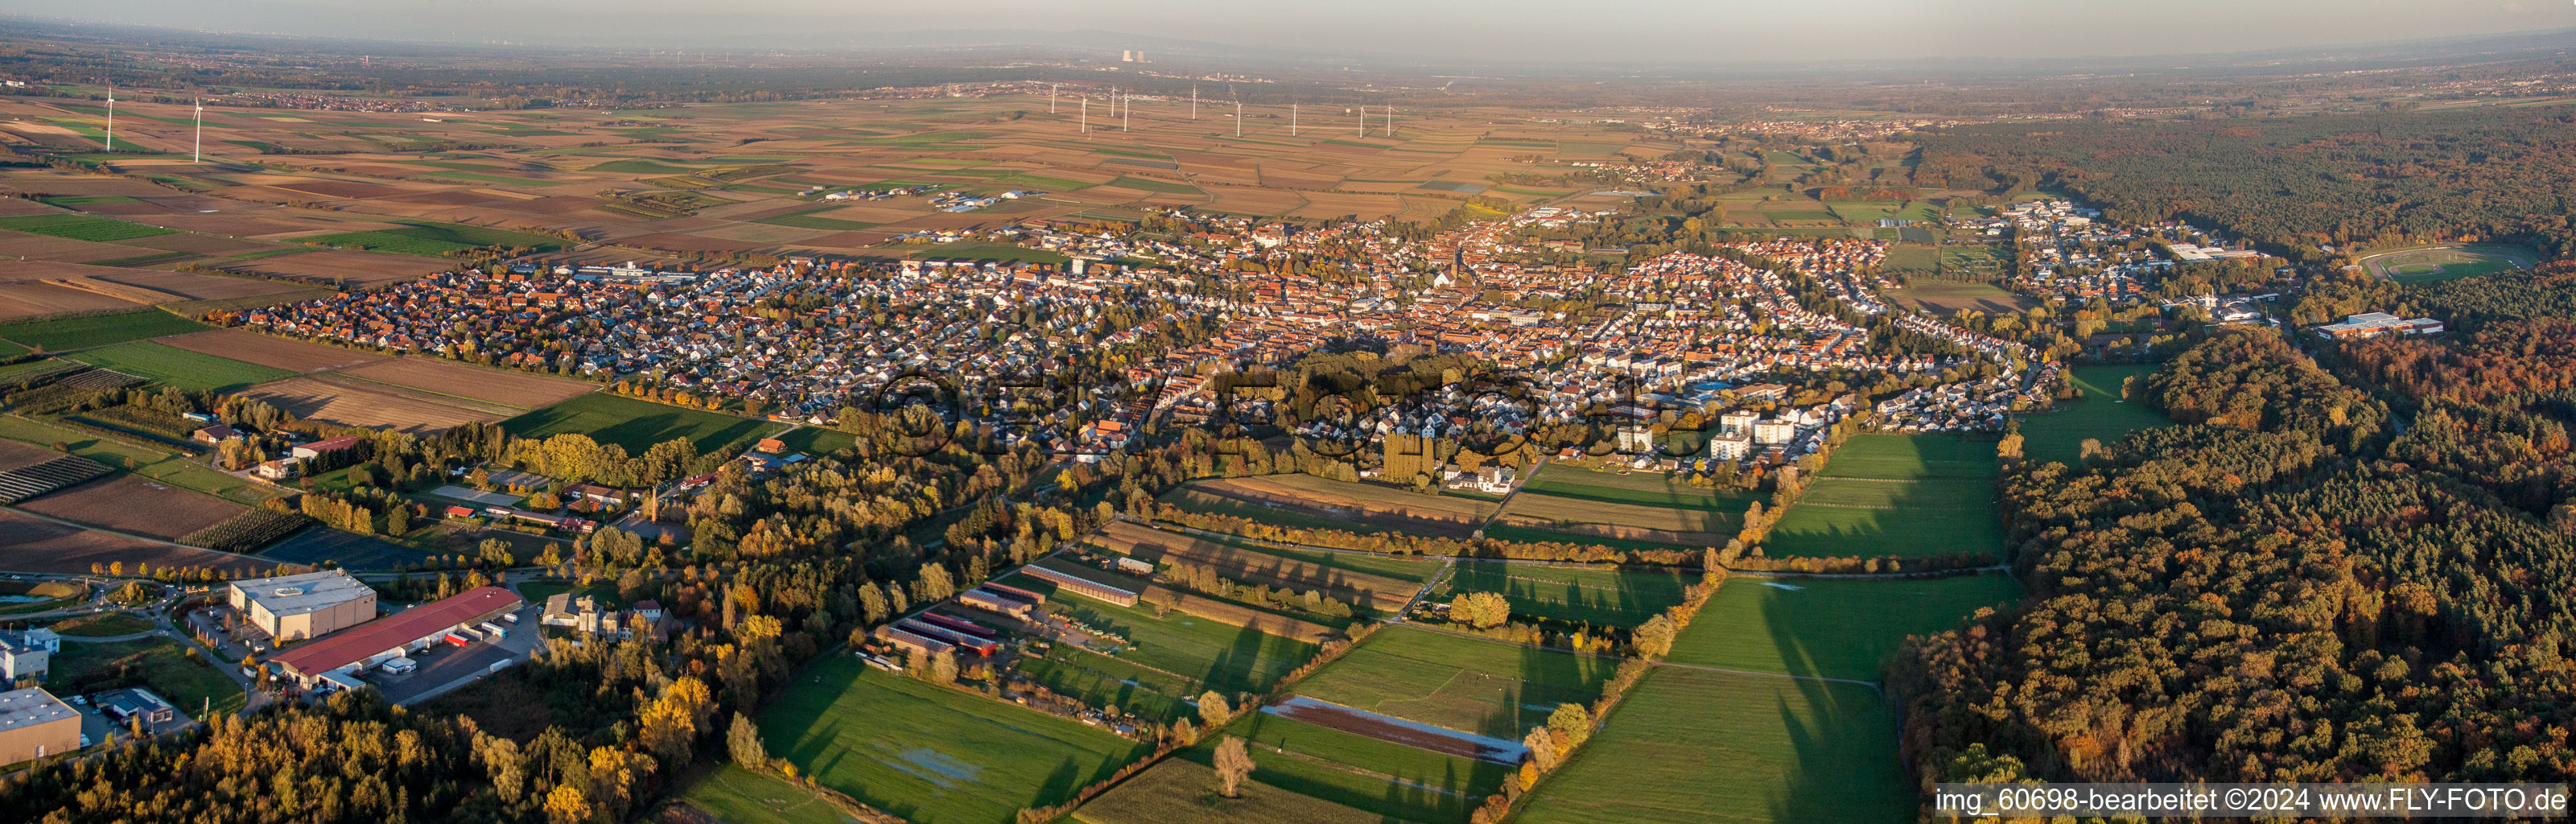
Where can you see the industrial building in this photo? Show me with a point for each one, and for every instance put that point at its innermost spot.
(35, 724)
(1074, 582)
(334, 657)
(26, 655)
(297, 607)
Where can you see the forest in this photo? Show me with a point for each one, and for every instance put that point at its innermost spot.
(2356, 567)
(2290, 184)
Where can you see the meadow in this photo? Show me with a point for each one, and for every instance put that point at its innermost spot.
(1463, 683)
(1349, 768)
(82, 332)
(1181, 790)
(427, 239)
(1833, 628)
(738, 796)
(933, 755)
(190, 683)
(1208, 654)
(1905, 496)
(637, 424)
(1690, 747)
(2101, 416)
(179, 367)
(1596, 596)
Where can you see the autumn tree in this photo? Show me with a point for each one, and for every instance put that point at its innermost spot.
(1233, 764)
(1482, 610)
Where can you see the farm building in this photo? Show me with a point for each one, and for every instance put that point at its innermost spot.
(989, 600)
(35, 724)
(1083, 586)
(332, 657)
(296, 607)
(326, 446)
(910, 642)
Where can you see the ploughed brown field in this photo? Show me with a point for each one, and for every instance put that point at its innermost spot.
(35, 545)
(365, 268)
(186, 286)
(271, 351)
(31, 298)
(383, 406)
(137, 505)
(1385, 595)
(14, 455)
(517, 389)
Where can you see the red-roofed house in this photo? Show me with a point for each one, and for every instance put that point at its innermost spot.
(325, 446)
(364, 645)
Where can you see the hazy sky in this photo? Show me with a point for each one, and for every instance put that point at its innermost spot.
(1679, 31)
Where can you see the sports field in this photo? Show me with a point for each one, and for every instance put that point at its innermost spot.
(2449, 262)
(933, 755)
(179, 367)
(1463, 683)
(637, 425)
(1834, 628)
(1596, 596)
(63, 334)
(1906, 496)
(1688, 747)
(2101, 415)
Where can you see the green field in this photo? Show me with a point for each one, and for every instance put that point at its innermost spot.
(636, 424)
(64, 334)
(817, 440)
(158, 664)
(933, 755)
(179, 367)
(1413, 568)
(1906, 496)
(1705, 747)
(81, 227)
(1148, 184)
(427, 239)
(738, 796)
(2101, 415)
(1209, 655)
(1181, 790)
(2449, 262)
(1834, 628)
(1600, 597)
(157, 464)
(1641, 488)
(1348, 768)
(1907, 457)
(1469, 684)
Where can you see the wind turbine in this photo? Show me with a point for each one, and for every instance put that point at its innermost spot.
(1390, 121)
(111, 117)
(1238, 118)
(1086, 115)
(198, 154)
(1363, 121)
(1292, 120)
(1194, 101)
(1126, 108)
(1051, 98)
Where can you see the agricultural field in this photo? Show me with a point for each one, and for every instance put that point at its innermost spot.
(161, 665)
(134, 505)
(1574, 503)
(1943, 297)
(427, 239)
(1473, 685)
(1382, 595)
(33, 545)
(1904, 496)
(1409, 783)
(1826, 627)
(934, 755)
(637, 424)
(1692, 747)
(150, 462)
(179, 367)
(285, 354)
(80, 227)
(316, 544)
(2103, 415)
(1181, 790)
(1350, 504)
(85, 331)
(1598, 596)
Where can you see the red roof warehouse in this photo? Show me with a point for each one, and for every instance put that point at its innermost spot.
(390, 636)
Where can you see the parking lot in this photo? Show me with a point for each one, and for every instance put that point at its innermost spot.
(444, 666)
